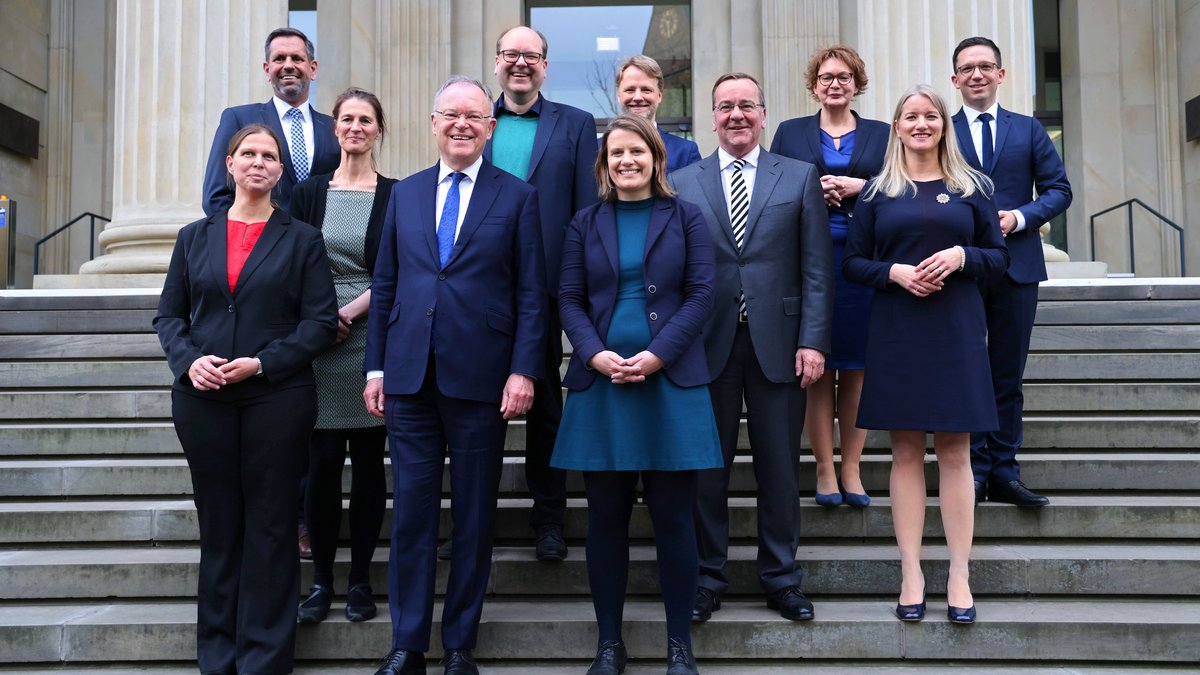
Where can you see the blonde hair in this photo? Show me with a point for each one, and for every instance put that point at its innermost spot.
(893, 180)
(646, 131)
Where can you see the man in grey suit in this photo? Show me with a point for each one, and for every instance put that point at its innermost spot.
(767, 337)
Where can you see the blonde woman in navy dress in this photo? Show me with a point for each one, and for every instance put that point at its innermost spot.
(635, 291)
(923, 233)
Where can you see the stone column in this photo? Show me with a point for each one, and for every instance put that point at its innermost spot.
(792, 31)
(906, 43)
(177, 66)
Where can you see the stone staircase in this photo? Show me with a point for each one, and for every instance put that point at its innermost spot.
(98, 538)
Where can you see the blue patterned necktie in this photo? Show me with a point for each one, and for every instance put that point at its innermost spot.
(299, 151)
(987, 145)
(449, 220)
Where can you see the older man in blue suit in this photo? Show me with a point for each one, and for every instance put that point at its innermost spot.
(552, 147)
(1015, 151)
(455, 341)
(309, 147)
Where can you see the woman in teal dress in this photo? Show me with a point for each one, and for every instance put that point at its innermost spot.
(636, 290)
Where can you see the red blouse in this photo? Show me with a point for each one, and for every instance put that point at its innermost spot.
(241, 238)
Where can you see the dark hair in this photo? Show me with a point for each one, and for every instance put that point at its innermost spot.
(288, 31)
(843, 53)
(364, 95)
(648, 133)
(545, 45)
(241, 135)
(975, 42)
(738, 76)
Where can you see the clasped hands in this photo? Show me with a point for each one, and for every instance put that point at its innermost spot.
(837, 188)
(516, 399)
(622, 370)
(929, 275)
(211, 372)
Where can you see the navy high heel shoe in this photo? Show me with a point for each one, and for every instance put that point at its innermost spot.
(911, 612)
(960, 614)
(858, 499)
(831, 499)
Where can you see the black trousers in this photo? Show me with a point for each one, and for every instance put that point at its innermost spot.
(547, 485)
(245, 458)
(775, 417)
(323, 500)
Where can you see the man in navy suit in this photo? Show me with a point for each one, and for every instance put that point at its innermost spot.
(455, 341)
(309, 147)
(552, 147)
(1015, 151)
(640, 86)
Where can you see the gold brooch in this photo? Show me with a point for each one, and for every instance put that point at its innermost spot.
(943, 198)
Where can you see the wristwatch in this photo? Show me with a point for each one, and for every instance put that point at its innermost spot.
(259, 361)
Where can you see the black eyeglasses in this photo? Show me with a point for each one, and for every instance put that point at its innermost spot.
(985, 68)
(510, 56)
(842, 78)
(747, 107)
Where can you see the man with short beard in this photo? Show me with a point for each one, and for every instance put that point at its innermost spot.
(305, 135)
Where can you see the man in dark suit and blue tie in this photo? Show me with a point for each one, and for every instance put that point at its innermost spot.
(309, 147)
(455, 341)
(766, 338)
(552, 147)
(1015, 151)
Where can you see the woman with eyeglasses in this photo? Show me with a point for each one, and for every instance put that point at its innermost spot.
(847, 150)
(348, 205)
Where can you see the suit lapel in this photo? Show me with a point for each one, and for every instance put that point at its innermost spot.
(765, 178)
(218, 251)
(270, 117)
(713, 187)
(547, 119)
(862, 138)
(1003, 124)
(482, 196)
(322, 135)
(965, 144)
(812, 136)
(273, 231)
(606, 228)
(427, 211)
(659, 218)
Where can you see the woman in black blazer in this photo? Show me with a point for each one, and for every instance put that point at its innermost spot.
(348, 205)
(635, 292)
(847, 150)
(247, 305)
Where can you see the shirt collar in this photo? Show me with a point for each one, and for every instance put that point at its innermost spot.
(282, 107)
(726, 159)
(973, 114)
(536, 110)
(471, 171)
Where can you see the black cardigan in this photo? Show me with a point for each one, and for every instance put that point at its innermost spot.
(308, 205)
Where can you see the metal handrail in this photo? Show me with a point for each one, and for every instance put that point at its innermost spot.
(1128, 206)
(37, 245)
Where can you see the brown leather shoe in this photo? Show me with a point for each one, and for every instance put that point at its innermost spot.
(304, 545)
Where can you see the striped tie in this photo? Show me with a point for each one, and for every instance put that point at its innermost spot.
(738, 208)
(299, 151)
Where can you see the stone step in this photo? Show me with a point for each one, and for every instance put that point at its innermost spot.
(155, 404)
(89, 321)
(1114, 338)
(73, 375)
(110, 299)
(1052, 472)
(1147, 631)
(1055, 312)
(1116, 366)
(1067, 517)
(77, 347)
(997, 569)
(1042, 432)
(654, 667)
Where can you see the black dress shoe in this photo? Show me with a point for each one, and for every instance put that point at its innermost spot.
(360, 606)
(980, 491)
(551, 547)
(459, 662)
(679, 658)
(705, 604)
(401, 662)
(315, 607)
(791, 604)
(1015, 492)
(610, 658)
(446, 550)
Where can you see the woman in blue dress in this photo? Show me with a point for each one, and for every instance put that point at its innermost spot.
(925, 232)
(847, 150)
(636, 290)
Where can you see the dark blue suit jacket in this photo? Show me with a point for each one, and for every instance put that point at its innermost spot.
(678, 267)
(326, 155)
(284, 310)
(800, 138)
(561, 167)
(484, 312)
(1024, 159)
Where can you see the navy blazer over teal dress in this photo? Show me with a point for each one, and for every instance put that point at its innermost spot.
(637, 276)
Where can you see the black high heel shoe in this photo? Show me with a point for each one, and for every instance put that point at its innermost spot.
(912, 612)
(960, 615)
